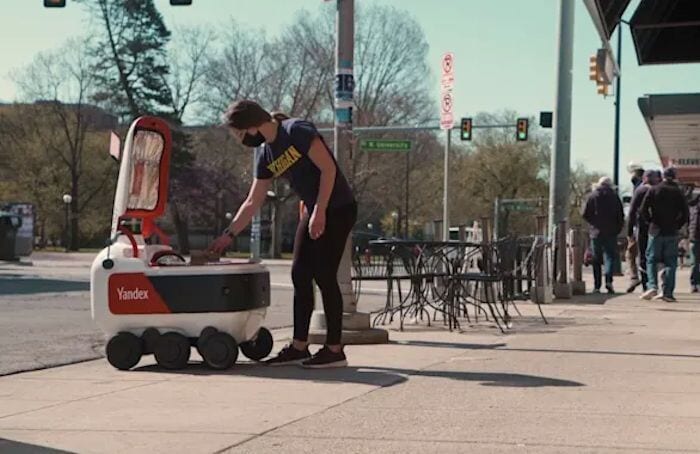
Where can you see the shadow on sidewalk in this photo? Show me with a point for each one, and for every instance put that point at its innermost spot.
(17, 285)
(492, 378)
(598, 352)
(375, 376)
(588, 298)
(457, 345)
(21, 448)
(359, 375)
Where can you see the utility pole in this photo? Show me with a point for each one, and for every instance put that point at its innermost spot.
(616, 164)
(342, 130)
(356, 326)
(561, 155)
(446, 190)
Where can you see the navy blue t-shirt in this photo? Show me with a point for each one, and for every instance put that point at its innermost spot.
(288, 156)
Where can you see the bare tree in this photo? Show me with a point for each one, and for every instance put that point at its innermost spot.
(233, 70)
(61, 120)
(294, 73)
(187, 55)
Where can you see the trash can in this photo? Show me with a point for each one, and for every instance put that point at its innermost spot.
(9, 224)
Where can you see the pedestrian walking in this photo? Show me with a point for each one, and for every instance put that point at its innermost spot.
(603, 212)
(666, 210)
(638, 230)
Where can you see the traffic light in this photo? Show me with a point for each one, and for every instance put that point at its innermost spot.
(546, 119)
(466, 130)
(603, 88)
(596, 72)
(593, 68)
(180, 2)
(54, 3)
(521, 133)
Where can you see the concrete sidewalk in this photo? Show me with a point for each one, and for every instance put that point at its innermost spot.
(605, 375)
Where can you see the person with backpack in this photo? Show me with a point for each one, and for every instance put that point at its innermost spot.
(292, 148)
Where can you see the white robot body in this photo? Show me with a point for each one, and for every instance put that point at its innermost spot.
(148, 299)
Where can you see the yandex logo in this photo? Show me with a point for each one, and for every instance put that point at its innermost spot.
(133, 293)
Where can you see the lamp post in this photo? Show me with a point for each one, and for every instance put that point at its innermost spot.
(395, 217)
(67, 199)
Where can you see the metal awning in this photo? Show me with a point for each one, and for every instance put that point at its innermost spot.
(674, 123)
(667, 31)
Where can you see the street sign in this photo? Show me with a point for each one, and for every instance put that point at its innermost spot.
(448, 77)
(385, 145)
(446, 116)
(446, 84)
(519, 207)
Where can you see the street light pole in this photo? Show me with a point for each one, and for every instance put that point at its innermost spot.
(561, 155)
(67, 199)
(616, 163)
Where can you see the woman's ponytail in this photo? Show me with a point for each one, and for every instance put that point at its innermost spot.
(279, 116)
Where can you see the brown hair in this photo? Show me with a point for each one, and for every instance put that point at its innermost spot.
(245, 114)
(279, 116)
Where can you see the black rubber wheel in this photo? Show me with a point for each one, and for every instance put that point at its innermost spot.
(124, 351)
(219, 351)
(150, 339)
(203, 336)
(259, 347)
(172, 351)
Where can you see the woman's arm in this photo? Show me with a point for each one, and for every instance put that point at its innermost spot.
(256, 198)
(320, 156)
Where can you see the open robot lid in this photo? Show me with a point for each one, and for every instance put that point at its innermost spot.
(142, 187)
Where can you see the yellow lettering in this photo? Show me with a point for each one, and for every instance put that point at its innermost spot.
(294, 153)
(285, 161)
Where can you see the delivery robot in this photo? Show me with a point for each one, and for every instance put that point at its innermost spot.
(147, 298)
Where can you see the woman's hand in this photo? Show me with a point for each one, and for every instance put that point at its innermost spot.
(317, 223)
(221, 244)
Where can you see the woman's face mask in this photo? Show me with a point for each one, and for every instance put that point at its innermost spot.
(253, 140)
(248, 139)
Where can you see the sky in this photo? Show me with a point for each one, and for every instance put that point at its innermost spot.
(505, 58)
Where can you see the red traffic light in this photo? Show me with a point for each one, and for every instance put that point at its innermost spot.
(54, 3)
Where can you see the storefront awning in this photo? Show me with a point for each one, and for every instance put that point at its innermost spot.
(667, 31)
(674, 123)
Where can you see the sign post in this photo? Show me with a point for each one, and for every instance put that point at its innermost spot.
(446, 123)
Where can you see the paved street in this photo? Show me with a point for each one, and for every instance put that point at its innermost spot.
(45, 310)
(608, 374)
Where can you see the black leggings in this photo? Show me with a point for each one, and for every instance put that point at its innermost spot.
(318, 260)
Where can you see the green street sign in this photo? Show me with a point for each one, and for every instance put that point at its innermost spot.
(519, 207)
(385, 145)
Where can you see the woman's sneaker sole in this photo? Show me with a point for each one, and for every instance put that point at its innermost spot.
(294, 362)
(342, 363)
